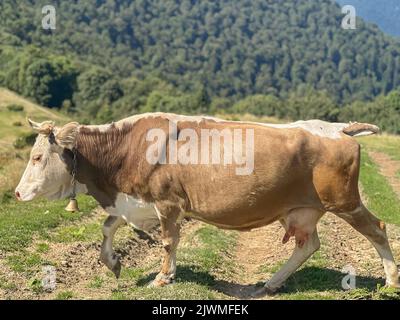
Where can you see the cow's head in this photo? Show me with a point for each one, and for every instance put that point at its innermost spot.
(48, 172)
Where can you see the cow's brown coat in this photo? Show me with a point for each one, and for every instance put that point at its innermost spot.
(293, 169)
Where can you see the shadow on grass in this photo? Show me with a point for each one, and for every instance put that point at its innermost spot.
(184, 274)
(323, 279)
(307, 280)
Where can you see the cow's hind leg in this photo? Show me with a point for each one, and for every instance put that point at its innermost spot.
(170, 229)
(107, 255)
(374, 230)
(300, 223)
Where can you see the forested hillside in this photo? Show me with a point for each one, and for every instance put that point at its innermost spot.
(234, 48)
(111, 58)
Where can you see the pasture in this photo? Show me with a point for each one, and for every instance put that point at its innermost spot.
(212, 264)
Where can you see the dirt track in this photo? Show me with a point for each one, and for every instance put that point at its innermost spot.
(389, 168)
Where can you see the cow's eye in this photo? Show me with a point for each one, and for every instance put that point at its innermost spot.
(37, 158)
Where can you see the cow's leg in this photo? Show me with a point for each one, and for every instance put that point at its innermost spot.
(170, 228)
(299, 256)
(300, 223)
(107, 255)
(374, 230)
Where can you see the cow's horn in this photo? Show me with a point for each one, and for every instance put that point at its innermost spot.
(45, 127)
(72, 206)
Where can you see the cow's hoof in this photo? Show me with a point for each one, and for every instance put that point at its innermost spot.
(161, 282)
(117, 269)
(263, 292)
(112, 263)
(395, 285)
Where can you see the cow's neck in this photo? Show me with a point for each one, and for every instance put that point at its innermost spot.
(101, 162)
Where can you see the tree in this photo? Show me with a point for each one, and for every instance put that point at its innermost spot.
(232, 48)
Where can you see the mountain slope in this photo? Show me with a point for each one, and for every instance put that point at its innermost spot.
(232, 48)
(13, 122)
(14, 110)
(385, 13)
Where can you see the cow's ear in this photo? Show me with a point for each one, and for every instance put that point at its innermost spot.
(45, 128)
(66, 136)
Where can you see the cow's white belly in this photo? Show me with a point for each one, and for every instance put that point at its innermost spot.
(135, 212)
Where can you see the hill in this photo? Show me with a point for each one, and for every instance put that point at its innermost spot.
(92, 92)
(13, 118)
(384, 13)
(231, 48)
(16, 135)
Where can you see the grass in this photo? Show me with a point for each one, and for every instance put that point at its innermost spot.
(271, 269)
(382, 200)
(35, 285)
(72, 233)
(178, 291)
(317, 281)
(8, 131)
(96, 283)
(385, 143)
(200, 261)
(5, 284)
(20, 223)
(381, 293)
(25, 262)
(12, 164)
(65, 295)
(42, 247)
(213, 252)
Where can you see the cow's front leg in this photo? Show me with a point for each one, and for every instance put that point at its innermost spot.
(107, 255)
(170, 228)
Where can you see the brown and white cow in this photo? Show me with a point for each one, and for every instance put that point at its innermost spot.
(299, 172)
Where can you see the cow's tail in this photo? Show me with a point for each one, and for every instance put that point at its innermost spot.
(355, 129)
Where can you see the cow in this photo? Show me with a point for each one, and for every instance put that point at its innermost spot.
(297, 173)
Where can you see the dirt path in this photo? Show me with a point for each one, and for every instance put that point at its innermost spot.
(389, 168)
(260, 247)
(260, 253)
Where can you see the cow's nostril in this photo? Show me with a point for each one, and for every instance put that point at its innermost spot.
(18, 195)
